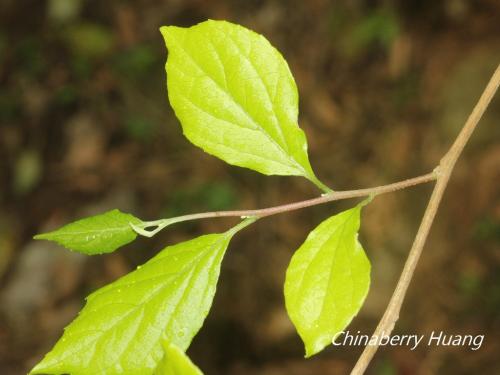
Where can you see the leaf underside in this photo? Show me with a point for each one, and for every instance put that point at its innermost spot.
(121, 327)
(327, 280)
(235, 97)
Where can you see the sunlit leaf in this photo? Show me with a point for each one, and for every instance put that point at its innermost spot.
(236, 98)
(121, 328)
(98, 234)
(327, 280)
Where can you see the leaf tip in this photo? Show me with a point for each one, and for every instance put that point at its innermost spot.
(163, 30)
(315, 346)
(308, 353)
(39, 368)
(170, 32)
(41, 236)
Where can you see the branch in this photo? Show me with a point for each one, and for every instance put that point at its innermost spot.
(158, 225)
(391, 315)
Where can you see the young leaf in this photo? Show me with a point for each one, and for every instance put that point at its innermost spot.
(175, 362)
(327, 280)
(235, 97)
(120, 329)
(98, 234)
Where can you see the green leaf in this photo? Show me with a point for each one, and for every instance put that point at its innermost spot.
(176, 362)
(121, 328)
(98, 234)
(235, 97)
(327, 280)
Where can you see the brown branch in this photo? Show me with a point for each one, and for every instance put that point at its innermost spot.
(334, 196)
(391, 315)
(263, 212)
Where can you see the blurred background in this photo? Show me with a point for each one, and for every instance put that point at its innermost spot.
(385, 86)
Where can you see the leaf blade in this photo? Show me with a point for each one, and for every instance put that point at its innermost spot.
(235, 97)
(97, 234)
(122, 325)
(327, 280)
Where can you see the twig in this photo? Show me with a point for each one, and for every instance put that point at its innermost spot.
(158, 225)
(391, 315)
